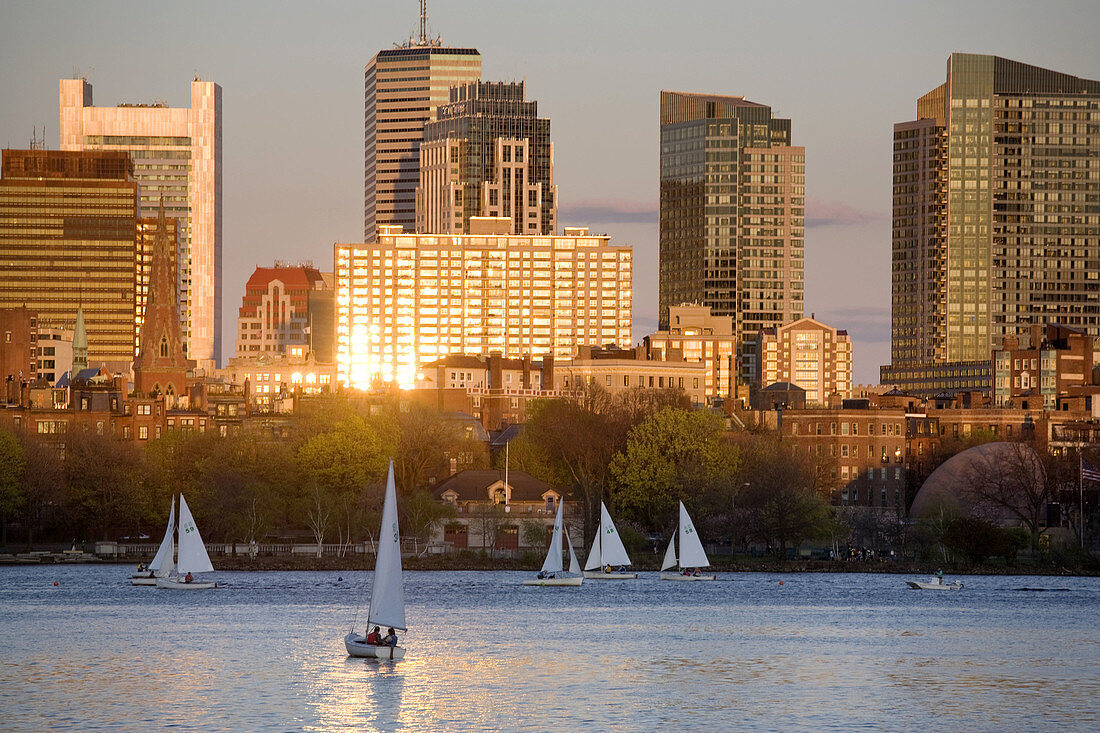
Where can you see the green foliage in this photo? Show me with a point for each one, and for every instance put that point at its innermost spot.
(674, 455)
(13, 462)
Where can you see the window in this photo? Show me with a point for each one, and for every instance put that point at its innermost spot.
(143, 432)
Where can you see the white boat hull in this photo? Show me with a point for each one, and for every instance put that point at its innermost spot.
(681, 576)
(357, 646)
(175, 584)
(135, 580)
(601, 575)
(933, 585)
(571, 581)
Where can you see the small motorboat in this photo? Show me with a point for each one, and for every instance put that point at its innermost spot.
(934, 584)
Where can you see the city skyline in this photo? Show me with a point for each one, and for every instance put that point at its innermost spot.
(292, 84)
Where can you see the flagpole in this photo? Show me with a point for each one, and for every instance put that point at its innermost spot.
(1081, 499)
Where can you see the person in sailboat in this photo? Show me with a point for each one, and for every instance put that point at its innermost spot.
(607, 568)
(188, 578)
(374, 637)
(390, 639)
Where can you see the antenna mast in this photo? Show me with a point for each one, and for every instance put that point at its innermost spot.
(423, 22)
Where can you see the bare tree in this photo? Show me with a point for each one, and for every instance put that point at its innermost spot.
(318, 514)
(1010, 481)
(488, 519)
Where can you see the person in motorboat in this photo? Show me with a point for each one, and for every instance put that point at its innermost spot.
(188, 578)
(374, 637)
(390, 639)
(939, 576)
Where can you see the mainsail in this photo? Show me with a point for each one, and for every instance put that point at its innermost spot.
(552, 563)
(387, 597)
(691, 547)
(192, 552)
(163, 563)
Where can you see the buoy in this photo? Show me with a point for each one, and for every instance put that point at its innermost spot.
(781, 582)
(56, 583)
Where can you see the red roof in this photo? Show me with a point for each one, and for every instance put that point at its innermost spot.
(292, 277)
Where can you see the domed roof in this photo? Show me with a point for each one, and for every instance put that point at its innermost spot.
(948, 489)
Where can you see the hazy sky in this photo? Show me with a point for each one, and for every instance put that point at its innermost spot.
(292, 85)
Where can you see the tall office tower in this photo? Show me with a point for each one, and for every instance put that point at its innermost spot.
(69, 238)
(732, 215)
(403, 88)
(275, 310)
(177, 155)
(488, 154)
(996, 218)
(405, 300)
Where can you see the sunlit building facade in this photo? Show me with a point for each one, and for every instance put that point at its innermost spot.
(810, 354)
(732, 217)
(403, 87)
(409, 299)
(177, 160)
(996, 222)
(695, 334)
(275, 310)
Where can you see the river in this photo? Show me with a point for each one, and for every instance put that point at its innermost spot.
(752, 651)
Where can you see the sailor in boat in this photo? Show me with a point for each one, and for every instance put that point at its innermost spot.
(374, 637)
(607, 568)
(543, 575)
(390, 639)
(188, 578)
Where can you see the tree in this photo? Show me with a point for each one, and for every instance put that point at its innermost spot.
(106, 481)
(43, 488)
(778, 501)
(13, 462)
(425, 441)
(1014, 481)
(674, 455)
(422, 515)
(488, 519)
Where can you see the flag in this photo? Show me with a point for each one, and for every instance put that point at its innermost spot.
(1089, 472)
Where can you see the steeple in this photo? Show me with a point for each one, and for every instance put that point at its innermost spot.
(161, 366)
(80, 344)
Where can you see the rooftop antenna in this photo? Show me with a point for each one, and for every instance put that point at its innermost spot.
(423, 22)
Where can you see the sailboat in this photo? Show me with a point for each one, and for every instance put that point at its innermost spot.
(163, 562)
(387, 596)
(607, 552)
(551, 573)
(692, 556)
(191, 556)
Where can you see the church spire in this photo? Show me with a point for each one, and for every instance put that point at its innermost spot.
(80, 344)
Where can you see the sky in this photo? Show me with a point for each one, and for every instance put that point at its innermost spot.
(292, 93)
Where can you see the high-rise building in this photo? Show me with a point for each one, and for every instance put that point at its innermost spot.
(403, 88)
(275, 311)
(407, 299)
(177, 154)
(809, 354)
(69, 239)
(487, 154)
(996, 218)
(732, 214)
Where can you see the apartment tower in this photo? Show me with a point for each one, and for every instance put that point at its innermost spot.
(732, 215)
(996, 218)
(403, 87)
(177, 155)
(487, 154)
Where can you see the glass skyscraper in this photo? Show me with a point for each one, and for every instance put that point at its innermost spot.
(732, 214)
(996, 218)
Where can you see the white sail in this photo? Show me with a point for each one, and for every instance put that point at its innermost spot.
(552, 563)
(163, 564)
(691, 547)
(574, 566)
(595, 556)
(670, 554)
(611, 544)
(387, 597)
(192, 552)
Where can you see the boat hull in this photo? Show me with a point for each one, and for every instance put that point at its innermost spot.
(173, 584)
(135, 580)
(933, 585)
(601, 575)
(555, 582)
(680, 576)
(357, 646)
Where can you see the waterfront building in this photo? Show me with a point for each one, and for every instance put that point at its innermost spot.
(275, 310)
(696, 335)
(996, 226)
(408, 299)
(403, 87)
(732, 219)
(19, 335)
(487, 154)
(1039, 370)
(69, 240)
(177, 160)
(810, 354)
